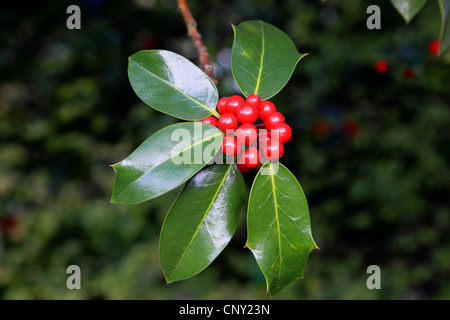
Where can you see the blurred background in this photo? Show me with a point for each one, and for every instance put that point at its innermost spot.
(370, 111)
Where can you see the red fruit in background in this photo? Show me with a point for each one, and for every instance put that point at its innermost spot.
(250, 158)
(284, 132)
(148, 42)
(266, 108)
(246, 134)
(210, 120)
(228, 122)
(273, 150)
(351, 128)
(7, 224)
(222, 105)
(233, 103)
(381, 66)
(253, 100)
(408, 73)
(230, 145)
(247, 114)
(321, 129)
(433, 47)
(273, 119)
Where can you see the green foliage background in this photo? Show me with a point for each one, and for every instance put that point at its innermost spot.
(370, 150)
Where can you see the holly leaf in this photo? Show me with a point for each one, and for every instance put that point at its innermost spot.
(172, 84)
(164, 161)
(444, 42)
(279, 229)
(202, 221)
(408, 8)
(263, 58)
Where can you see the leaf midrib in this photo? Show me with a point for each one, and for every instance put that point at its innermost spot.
(222, 182)
(258, 80)
(175, 88)
(276, 216)
(161, 162)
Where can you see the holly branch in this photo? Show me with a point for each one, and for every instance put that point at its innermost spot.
(191, 25)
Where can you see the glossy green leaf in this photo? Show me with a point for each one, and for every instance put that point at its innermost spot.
(164, 161)
(408, 8)
(202, 221)
(263, 58)
(172, 84)
(444, 6)
(279, 229)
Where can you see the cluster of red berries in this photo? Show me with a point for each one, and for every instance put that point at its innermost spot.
(252, 127)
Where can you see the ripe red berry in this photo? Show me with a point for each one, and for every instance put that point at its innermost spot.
(264, 136)
(273, 150)
(250, 158)
(266, 108)
(284, 132)
(247, 114)
(273, 119)
(381, 66)
(222, 104)
(233, 103)
(228, 122)
(433, 47)
(210, 120)
(246, 134)
(230, 145)
(253, 100)
(243, 168)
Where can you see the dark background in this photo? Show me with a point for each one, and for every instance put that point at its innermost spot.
(370, 150)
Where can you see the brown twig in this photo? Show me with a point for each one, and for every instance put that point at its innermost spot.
(191, 25)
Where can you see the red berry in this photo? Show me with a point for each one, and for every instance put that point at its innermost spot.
(253, 100)
(247, 134)
(222, 104)
(273, 150)
(250, 158)
(351, 128)
(321, 128)
(8, 224)
(265, 108)
(433, 47)
(408, 73)
(264, 137)
(247, 114)
(243, 168)
(230, 145)
(273, 119)
(228, 122)
(381, 66)
(210, 120)
(284, 132)
(233, 103)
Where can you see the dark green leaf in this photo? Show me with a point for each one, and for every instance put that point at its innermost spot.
(202, 221)
(444, 6)
(164, 161)
(263, 58)
(408, 8)
(279, 229)
(172, 84)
